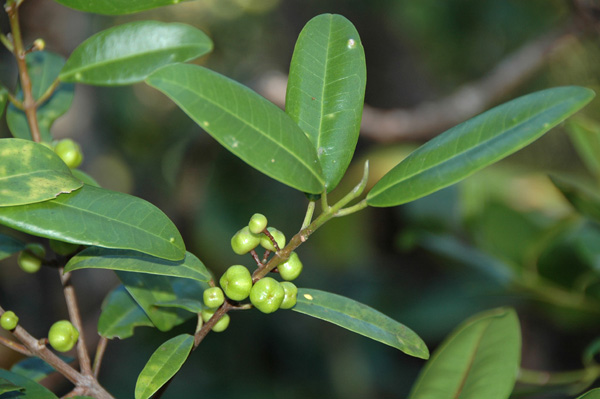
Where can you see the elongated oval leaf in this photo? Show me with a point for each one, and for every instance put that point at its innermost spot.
(9, 246)
(593, 394)
(245, 123)
(31, 172)
(99, 217)
(120, 315)
(477, 143)
(116, 7)
(33, 390)
(360, 319)
(480, 359)
(128, 53)
(163, 364)
(132, 261)
(326, 90)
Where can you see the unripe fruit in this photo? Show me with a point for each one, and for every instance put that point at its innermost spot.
(267, 294)
(236, 282)
(290, 293)
(221, 325)
(279, 237)
(63, 248)
(291, 268)
(258, 222)
(39, 44)
(30, 260)
(63, 335)
(213, 297)
(9, 320)
(244, 241)
(70, 152)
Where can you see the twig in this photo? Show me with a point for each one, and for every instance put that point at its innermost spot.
(101, 348)
(17, 347)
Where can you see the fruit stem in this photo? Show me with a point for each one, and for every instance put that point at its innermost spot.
(309, 214)
(100, 349)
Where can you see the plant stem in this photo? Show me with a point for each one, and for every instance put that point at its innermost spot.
(100, 349)
(17, 347)
(309, 214)
(7, 43)
(546, 378)
(48, 93)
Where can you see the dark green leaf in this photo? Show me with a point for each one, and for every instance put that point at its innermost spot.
(116, 7)
(85, 178)
(583, 197)
(245, 123)
(360, 319)
(31, 172)
(7, 386)
(9, 246)
(132, 261)
(480, 359)
(3, 99)
(585, 135)
(43, 70)
(326, 90)
(128, 53)
(33, 390)
(191, 305)
(120, 315)
(593, 394)
(476, 143)
(95, 216)
(35, 368)
(163, 365)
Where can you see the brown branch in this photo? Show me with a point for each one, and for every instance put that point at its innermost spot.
(17, 347)
(99, 355)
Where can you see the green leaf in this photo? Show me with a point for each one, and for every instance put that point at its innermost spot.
(585, 135)
(163, 364)
(9, 246)
(99, 217)
(7, 386)
(31, 172)
(148, 290)
(132, 261)
(360, 319)
(326, 90)
(3, 99)
(120, 315)
(583, 198)
(128, 53)
(191, 305)
(245, 123)
(85, 178)
(116, 7)
(480, 359)
(35, 368)
(593, 394)
(477, 143)
(33, 390)
(43, 69)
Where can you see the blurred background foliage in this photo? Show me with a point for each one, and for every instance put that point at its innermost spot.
(505, 236)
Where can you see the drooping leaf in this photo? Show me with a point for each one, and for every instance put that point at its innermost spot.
(148, 290)
(584, 199)
(326, 90)
(99, 217)
(163, 364)
(476, 143)
(128, 53)
(191, 305)
(593, 394)
(116, 7)
(585, 136)
(9, 246)
(360, 319)
(120, 315)
(31, 172)
(43, 69)
(132, 261)
(35, 368)
(7, 386)
(480, 359)
(32, 390)
(245, 123)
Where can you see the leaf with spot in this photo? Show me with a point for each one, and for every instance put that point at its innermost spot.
(31, 389)
(130, 52)
(326, 90)
(120, 315)
(31, 172)
(245, 123)
(361, 319)
(116, 7)
(99, 217)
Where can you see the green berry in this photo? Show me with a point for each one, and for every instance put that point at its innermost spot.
(258, 222)
(63, 248)
(221, 325)
(279, 237)
(213, 297)
(236, 282)
(291, 268)
(290, 293)
(244, 241)
(9, 320)
(63, 335)
(267, 295)
(70, 152)
(30, 260)
(36, 249)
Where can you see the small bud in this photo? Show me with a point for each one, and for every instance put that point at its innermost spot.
(39, 44)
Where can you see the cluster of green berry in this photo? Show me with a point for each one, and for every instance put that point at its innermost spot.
(62, 335)
(31, 258)
(69, 151)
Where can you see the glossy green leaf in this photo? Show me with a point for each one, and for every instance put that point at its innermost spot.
(148, 289)
(132, 261)
(85, 178)
(593, 394)
(33, 390)
(99, 217)
(245, 123)
(7, 386)
(163, 365)
(191, 305)
(116, 7)
(360, 319)
(583, 198)
(480, 359)
(9, 246)
(326, 90)
(44, 68)
(128, 53)
(476, 143)
(35, 368)
(3, 99)
(31, 172)
(585, 135)
(120, 315)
